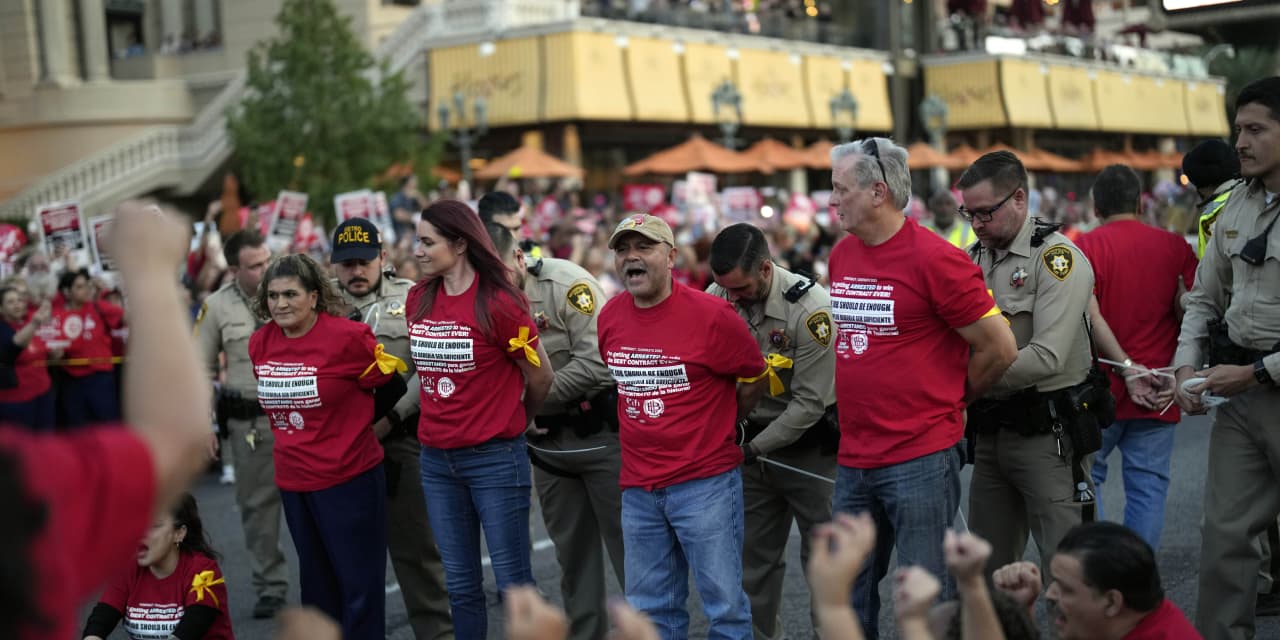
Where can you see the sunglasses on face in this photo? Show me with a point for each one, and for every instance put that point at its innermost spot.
(983, 215)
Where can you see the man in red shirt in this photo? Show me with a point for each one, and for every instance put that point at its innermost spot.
(1143, 306)
(79, 503)
(908, 302)
(677, 354)
(1104, 585)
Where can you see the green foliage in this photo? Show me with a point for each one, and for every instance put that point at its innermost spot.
(1249, 64)
(314, 117)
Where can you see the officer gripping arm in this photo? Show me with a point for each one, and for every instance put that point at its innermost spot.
(582, 375)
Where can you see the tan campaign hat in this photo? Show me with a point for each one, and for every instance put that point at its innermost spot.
(651, 227)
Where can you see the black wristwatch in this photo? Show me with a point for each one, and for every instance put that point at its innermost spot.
(1261, 374)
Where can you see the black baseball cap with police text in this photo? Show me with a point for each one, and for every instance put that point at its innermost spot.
(355, 239)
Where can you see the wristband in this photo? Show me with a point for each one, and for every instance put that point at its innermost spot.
(1261, 374)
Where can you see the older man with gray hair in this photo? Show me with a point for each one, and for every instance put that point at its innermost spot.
(903, 300)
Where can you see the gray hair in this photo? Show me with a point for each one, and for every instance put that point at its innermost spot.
(866, 171)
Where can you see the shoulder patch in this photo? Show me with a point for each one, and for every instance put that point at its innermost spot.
(819, 326)
(581, 299)
(1059, 260)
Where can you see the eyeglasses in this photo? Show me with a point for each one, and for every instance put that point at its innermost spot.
(869, 148)
(984, 215)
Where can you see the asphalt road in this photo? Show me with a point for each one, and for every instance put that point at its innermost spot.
(1178, 554)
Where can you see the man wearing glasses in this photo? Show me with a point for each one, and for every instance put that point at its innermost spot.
(1026, 472)
(904, 301)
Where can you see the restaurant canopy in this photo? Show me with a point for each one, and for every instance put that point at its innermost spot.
(777, 155)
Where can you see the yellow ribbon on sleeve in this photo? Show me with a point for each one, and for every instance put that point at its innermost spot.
(522, 341)
(773, 362)
(385, 362)
(203, 583)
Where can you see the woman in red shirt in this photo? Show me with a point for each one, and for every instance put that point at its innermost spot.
(317, 375)
(25, 391)
(88, 390)
(177, 589)
(483, 374)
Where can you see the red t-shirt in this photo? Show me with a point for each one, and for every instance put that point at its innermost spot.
(98, 488)
(1165, 623)
(471, 385)
(1135, 270)
(900, 365)
(30, 369)
(152, 607)
(86, 332)
(317, 401)
(677, 365)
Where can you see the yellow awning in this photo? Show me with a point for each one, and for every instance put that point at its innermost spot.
(1026, 94)
(585, 79)
(1206, 109)
(772, 87)
(870, 86)
(1114, 93)
(651, 64)
(1163, 102)
(509, 79)
(971, 91)
(705, 67)
(1071, 97)
(824, 78)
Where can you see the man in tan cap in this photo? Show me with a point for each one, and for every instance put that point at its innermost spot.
(678, 355)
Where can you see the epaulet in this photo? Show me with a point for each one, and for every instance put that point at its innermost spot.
(798, 290)
(1043, 230)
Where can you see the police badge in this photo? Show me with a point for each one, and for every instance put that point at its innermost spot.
(779, 339)
(1019, 277)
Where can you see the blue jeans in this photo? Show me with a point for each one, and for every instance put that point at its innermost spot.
(90, 399)
(467, 488)
(1145, 449)
(691, 525)
(913, 504)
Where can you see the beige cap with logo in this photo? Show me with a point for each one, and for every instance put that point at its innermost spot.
(651, 227)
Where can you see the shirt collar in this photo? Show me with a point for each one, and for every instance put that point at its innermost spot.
(775, 305)
(1021, 244)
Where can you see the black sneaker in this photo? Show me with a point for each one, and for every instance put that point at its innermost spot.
(1268, 604)
(267, 607)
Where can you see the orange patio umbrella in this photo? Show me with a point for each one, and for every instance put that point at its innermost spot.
(964, 155)
(1100, 158)
(777, 155)
(819, 154)
(528, 162)
(922, 155)
(697, 154)
(1056, 163)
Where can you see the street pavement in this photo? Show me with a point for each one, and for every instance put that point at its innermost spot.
(1178, 553)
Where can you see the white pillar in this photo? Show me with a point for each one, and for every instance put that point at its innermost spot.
(55, 36)
(93, 27)
(171, 25)
(205, 20)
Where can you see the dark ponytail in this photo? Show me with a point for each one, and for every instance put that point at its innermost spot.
(187, 514)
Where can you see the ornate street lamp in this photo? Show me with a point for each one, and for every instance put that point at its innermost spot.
(727, 97)
(462, 136)
(844, 102)
(933, 114)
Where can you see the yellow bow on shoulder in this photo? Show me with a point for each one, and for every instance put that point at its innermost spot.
(203, 583)
(773, 362)
(522, 341)
(385, 362)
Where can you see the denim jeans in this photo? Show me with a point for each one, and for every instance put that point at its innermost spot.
(691, 525)
(913, 504)
(1145, 449)
(467, 488)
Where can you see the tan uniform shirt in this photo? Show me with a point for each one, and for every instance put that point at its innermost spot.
(802, 331)
(1247, 296)
(383, 309)
(224, 325)
(566, 301)
(1044, 292)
